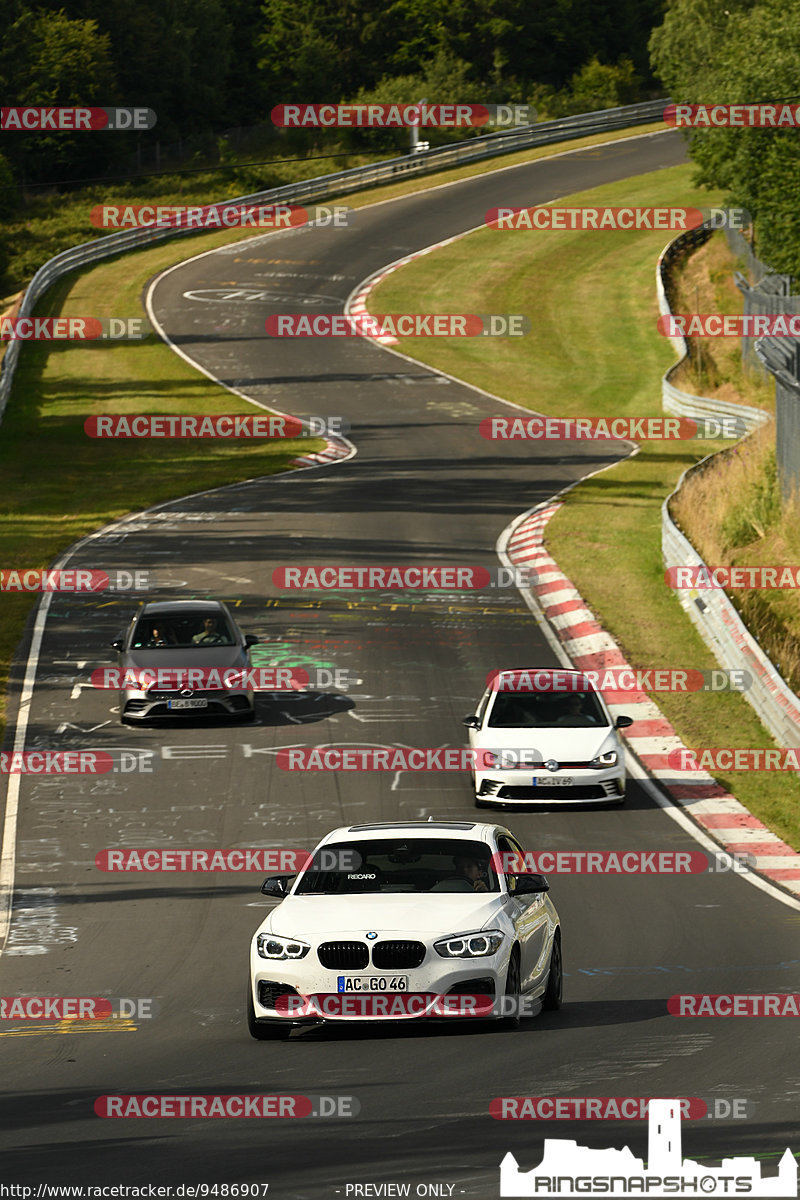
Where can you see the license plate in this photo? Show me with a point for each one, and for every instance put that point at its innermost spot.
(556, 781)
(372, 983)
(187, 704)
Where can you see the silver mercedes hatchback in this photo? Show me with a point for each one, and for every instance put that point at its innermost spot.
(182, 658)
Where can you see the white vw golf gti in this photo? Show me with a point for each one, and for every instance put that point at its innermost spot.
(545, 736)
(417, 919)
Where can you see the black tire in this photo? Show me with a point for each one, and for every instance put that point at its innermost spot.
(264, 1031)
(513, 984)
(555, 980)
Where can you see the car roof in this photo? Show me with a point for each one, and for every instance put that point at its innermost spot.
(461, 830)
(175, 607)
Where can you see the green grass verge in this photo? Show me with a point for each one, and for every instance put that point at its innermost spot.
(594, 351)
(58, 484)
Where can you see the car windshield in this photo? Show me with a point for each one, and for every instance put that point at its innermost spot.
(545, 710)
(402, 865)
(184, 631)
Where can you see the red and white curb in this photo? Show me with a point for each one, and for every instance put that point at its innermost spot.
(651, 737)
(356, 304)
(333, 452)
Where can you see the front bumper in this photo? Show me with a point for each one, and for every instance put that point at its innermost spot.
(147, 706)
(588, 785)
(277, 986)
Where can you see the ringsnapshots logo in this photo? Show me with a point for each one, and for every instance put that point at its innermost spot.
(570, 1170)
(236, 426)
(421, 115)
(413, 325)
(401, 578)
(555, 217)
(44, 119)
(578, 429)
(220, 216)
(74, 329)
(733, 116)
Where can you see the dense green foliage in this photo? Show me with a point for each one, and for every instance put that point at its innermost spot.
(205, 66)
(740, 51)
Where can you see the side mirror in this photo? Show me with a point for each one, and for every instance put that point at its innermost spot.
(528, 885)
(471, 722)
(623, 722)
(277, 885)
(117, 644)
(250, 639)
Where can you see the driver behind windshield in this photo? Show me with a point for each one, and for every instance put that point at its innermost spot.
(210, 634)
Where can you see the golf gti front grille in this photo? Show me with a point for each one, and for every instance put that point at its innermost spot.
(344, 956)
(397, 955)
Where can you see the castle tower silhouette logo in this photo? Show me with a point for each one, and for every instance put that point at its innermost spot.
(568, 1169)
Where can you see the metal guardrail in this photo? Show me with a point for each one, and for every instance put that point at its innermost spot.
(685, 404)
(709, 609)
(340, 183)
(724, 632)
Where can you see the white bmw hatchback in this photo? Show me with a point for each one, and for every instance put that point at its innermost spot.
(546, 736)
(418, 919)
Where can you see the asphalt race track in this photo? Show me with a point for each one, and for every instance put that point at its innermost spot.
(424, 488)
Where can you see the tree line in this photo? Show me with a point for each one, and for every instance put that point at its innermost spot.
(205, 66)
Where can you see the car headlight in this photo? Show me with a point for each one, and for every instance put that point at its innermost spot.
(607, 759)
(272, 946)
(469, 945)
(509, 759)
